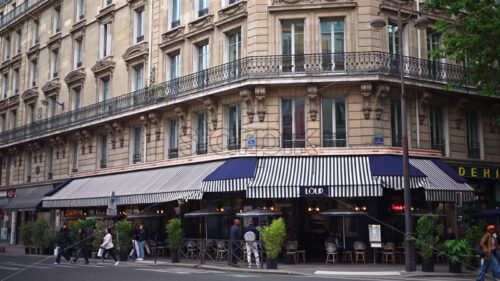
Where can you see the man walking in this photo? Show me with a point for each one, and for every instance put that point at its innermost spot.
(62, 244)
(251, 238)
(491, 251)
(235, 237)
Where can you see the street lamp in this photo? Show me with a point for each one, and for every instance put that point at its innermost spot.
(420, 23)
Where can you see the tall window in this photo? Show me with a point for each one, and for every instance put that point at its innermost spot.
(50, 163)
(234, 139)
(13, 121)
(15, 81)
(202, 7)
(433, 43)
(34, 70)
(175, 14)
(293, 122)
(74, 151)
(292, 45)
(57, 20)
(332, 44)
(202, 145)
(31, 113)
(235, 46)
(173, 149)
(29, 158)
(105, 89)
(437, 129)
(137, 144)
(53, 106)
(334, 127)
(175, 66)
(104, 151)
(5, 84)
(138, 78)
(139, 26)
(397, 136)
(1, 168)
(78, 98)
(19, 41)
(3, 120)
(105, 40)
(78, 52)
(473, 142)
(54, 66)
(6, 49)
(393, 39)
(80, 9)
(36, 32)
(203, 57)
(108, 2)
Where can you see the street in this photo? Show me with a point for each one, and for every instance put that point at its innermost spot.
(34, 268)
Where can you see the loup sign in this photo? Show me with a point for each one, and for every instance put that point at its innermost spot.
(313, 191)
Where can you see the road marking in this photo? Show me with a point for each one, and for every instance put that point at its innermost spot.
(358, 273)
(163, 270)
(9, 268)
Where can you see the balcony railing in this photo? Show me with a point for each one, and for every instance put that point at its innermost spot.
(334, 140)
(173, 153)
(20, 11)
(438, 144)
(104, 163)
(397, 141)
(473, 150)
(201, 148)
(233, 143)
(137, 158)
(293, 140)
(245, 68)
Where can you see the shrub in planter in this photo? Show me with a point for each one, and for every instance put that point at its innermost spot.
(427, 237)
(273, 237)
(49, 240)
(456, 251)
(175, 234)
(26, 234)
(98, 234)
(123, 233)
(39, 228)
(473, 236)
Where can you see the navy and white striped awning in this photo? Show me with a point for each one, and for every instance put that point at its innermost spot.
(388, 171)
(233, 175)
(343, 176)
(442, 187)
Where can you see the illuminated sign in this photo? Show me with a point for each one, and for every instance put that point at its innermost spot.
(492, 173)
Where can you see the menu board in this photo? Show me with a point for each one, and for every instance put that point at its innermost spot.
(375, 235)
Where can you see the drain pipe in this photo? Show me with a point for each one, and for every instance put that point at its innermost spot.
(151, 41)
(419, 55)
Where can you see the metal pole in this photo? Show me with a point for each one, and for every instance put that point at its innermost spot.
(410, 264)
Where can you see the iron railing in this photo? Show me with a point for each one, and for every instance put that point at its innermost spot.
(245, 68)
(173, 153)
(19, 11)
(438, 144)
(293, 140)
(334, 139)
(233, 143)
(201, 148)
(473, 150)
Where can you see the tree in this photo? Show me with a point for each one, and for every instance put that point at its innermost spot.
(471, 36)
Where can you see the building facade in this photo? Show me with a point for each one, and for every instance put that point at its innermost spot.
(95, 88)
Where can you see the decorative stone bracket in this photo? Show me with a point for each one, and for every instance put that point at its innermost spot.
(87, 137)
(260, 100)
(144, 120)
(211, 106)
(156, 121)
(366, 92)
(312, 94)
(424, 100)
(115, 130)
(460, 111)
(59, 142)
(181, 113)
(382, 92)
(79, 137)
(34, 147)
(248, 98)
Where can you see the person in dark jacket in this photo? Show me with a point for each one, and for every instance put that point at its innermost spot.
(142, 240)
(235, 236)
(251, 244)
(63, 242)
(135, 242)
(83, 245)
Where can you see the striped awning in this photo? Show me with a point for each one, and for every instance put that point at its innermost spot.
(340, 176)
(233, 175)
(388, 171)
(138, 187)
(442, 187)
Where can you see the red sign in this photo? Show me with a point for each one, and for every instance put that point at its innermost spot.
(399, 208)
(11, 193)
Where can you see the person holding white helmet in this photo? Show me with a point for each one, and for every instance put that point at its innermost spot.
(251, 237)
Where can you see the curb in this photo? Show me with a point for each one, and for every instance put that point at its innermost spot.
(247, 270)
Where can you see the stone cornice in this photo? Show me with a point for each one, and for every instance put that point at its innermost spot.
(106, 14)
(30, 95)
(78, 29)
(136, 52)
(200, 25)
(51, 88)
(306, 5)
(13, 100)
(75, 77)
(55, 41)
(232, 12)
(104, 66)
(172, 37)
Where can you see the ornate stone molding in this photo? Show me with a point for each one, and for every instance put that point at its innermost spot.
(136, 52)
(51, 88)
(181, 113)
(422, 103)
(260, 100)
(366, 92)
(380, 96)
(103, 66)
(30, 95)
(199, 25)
(312, 95)
(75, 77)
(4, 103)
(13, 100)
(115, 131)
(155, 119)
(248, 98)
(87, 136)
(211, 105)
(59, 143)
(460, 111)
(33, 51)
(106, 14)
(172, 36)
(78, 29)
(232, 12)
(134, 4)
(16, 61)
(144, 120)
(54, 41)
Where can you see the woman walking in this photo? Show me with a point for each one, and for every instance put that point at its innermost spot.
(84, 249)
(142, 240)
(107, 245)
(62, 244)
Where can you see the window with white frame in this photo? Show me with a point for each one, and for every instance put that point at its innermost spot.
(293, 122)
(36, 32)
(53, 106)
(78, 52)
(332, 44)
(234, 127)
(292, 45)
(139, 26)
(77, 94)
(74, 152)
(15, 81)
(18, 41)
(80, 9)
(54, 64)
(175, 66)
(3, 120)
(13, 119)
(104, 150)
(175, 13)
(202, 133)
(30, 118)
(203, 56)
(333, 122)
(437, 128)
(173, 144)
(50, 162)
(137, 144)
(105, 40)
(104, 89)
(202, 7)
(5, 84)
(33, 73)
(6, 48)
(473, 138)
(234, 48)
(137, 81)
(57, 20)
(433, 43)
(393, 39)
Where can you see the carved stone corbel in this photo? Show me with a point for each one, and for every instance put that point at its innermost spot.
(248, 98)
(211, 106)
(60, 147)
(111, 132)
(366, 92)
(424, 100)
(260, 99)
(147, 125)
(87, 136)
(80, 138)
(119, 133)
(181, 113)
(156, 121)
(312, 94)
(382, 92)
(460, 111)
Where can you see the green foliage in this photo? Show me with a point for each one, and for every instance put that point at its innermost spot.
(427, 235)
(474, 234)
(273, 237)
(39, 227)
(49, 238)
(98, 234)
(174, 233)
(456, 251)
(26, 232)
(123, 231)
(473, 37)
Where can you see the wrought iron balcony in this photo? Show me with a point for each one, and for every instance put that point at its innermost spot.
(293, 140)
(438, 144)
(20, 11)
(173, 153)
(334, 139)
(317, 65)
(473, 150)
(201, 148)
(397, 140)
(233, 143)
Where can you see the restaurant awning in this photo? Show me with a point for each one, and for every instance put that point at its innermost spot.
(313, 176)
(444, 183)
(138, 187)
(28, 198)
(233, 175)
(388, 171)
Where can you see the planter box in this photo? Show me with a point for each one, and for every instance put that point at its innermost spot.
(26, 251)
(272, 263)
(123, 257)
(174, 257)
(288, 259)
(94, 255)
(428, 266)
(45, 251)
(455, 267)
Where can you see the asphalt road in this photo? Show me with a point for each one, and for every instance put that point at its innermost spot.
(33, 268)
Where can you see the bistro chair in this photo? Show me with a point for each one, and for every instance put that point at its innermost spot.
(192, 251)
(332, 253)
(291, 249)
(348, 255)
(360, 251)
(389, 253)
(221, 251)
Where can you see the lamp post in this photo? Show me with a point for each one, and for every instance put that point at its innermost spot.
(421, 22)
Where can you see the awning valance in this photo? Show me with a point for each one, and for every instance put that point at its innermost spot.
(28, 198)
(233, 175)
(388, 171)
(138, 187)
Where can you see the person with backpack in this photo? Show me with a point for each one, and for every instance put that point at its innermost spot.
(141, 237)
(108, 247)
(251, 238)
(491, 251)
(63, 242)
(84, 249)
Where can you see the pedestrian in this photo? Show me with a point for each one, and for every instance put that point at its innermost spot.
(491, 251)
(235, 237)
(107, 245)
(251, 238)
(142, 240)
(84, 249)
(63, 242)
(135, 243)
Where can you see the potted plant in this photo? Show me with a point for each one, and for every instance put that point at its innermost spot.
(49, 239)
(39, 228)
(175, 234)
(123, 231)
(473, 236)
(427, 237)
(273, 237)
(98, 235)
(26, 234)
(455, 252)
